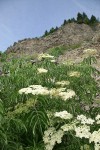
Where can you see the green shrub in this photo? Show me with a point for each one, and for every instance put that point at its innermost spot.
(24, 118)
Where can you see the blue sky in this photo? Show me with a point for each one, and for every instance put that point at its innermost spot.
(21, 19)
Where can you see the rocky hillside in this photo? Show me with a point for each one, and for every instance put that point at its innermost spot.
(69, 34)
(73, 37)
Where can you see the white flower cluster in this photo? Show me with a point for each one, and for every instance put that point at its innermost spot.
(53, 60)
(45, 55)
(81, 126)
(42, 70)
(51, 136)
(25, 90)
(68, 127)
(60, 92)
(55, 92)
(90, 52)
(97, 118)
(62, 83)
(82, 131)
(74, 74)
(85, 120)
(95, 137)
(67, 95)
(38, 89)
(97, 146)
(35, 90)
(63, 115)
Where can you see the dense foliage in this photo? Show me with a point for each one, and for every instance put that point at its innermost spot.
(32, 95)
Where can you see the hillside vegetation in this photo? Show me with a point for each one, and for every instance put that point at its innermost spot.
(50, 90)
(46, 105)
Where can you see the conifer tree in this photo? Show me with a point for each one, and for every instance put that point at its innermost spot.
(72, 20)
(79, 18)
(46, 33)
(93, 19)
(52, 30)
(56, 28)
(85, 18)
(65, 22)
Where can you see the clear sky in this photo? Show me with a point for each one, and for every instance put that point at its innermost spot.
(21, 19)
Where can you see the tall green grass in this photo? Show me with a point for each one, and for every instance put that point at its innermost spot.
(60, 50)
(24, 118)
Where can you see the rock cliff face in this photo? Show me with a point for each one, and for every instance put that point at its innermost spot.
(66, 35)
